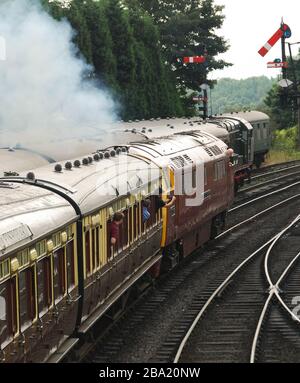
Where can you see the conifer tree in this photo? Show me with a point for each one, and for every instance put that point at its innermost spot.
(188, 28)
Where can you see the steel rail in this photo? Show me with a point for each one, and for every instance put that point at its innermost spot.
(260, 175)
(233, 274)
(268, 182)
(264, 196)
(274, 290)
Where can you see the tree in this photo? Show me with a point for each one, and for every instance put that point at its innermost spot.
(102, 55)
(281, 106)
(187, 27)
(282, 115)
(156, 91)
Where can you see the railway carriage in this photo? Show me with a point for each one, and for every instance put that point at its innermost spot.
(58, 272)
(262, 133)
(13, 161)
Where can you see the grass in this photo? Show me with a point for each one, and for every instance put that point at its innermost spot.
(284, 147)
(278, 156)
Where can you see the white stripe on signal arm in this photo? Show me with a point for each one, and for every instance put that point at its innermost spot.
(267, 46)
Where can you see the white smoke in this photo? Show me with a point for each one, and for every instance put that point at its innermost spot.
(43, 95)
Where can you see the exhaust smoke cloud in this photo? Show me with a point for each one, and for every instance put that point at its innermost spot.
(44, 98)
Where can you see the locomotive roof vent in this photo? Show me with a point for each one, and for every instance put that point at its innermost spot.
(30, 176)
(58, 168)
(85, 161)
(77, 164)
(68, 165)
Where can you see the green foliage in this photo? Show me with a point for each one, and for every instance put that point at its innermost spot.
(231, 95)
(123, 45)
(285, 139)
(281, 106)
(282, 116)
(134, 46)
(188, 28)
(103, 59)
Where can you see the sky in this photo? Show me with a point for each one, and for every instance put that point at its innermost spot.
(248, 26)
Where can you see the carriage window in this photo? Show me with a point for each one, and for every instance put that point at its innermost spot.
(136, 221)
(258, 135)
(109, 246)
(44, 284)
(59, 273)
(119, 245)
(56, 238)
(70, 264)
(8, 310)
(124, 229)
(153, 211)
(41, 248)
(4, 327)
(4, 269)
(23, 257)
(27, 296)
(95, 248)
(87, 253)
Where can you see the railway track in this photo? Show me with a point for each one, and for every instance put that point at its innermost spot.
(275, 167)
(270, 179)
(144, 334)
(248, 317)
